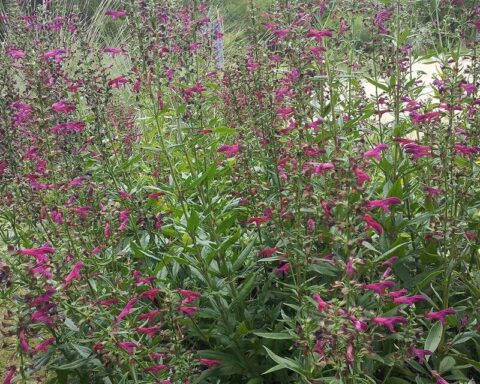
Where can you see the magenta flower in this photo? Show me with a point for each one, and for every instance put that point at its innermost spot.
(3, 166)
(440, 379)
(371, 223)
(41, 317)
(390, 322)
(118, 82)
(441, 315)
(115, 14)
(150, 315)
(107, 232)
(319, 34)
(151, 294)
(321, 305)
(40, 254)
(398, 293)
(113, 51)
(409, 300)
(417, 150)
(43, 346)
(267, 252)
(127, 310)
(383, 204)
(376, 152)
(425, 118)
(63, 106)
(320, 168)
(15, 53)
(283, 270)
(229, 150)
(361, 176)
(285, 112)
(433, 191)
(420, 354)
(128, 346)
(189, 311)
(149, 331)
(190, 296)
(69, 127)
(466, 150)
(468, 88)
(379, 288)
(349, 268)
(209, 362)
(56, 54)
(75, 273)
(23, 341)
(10, 373)
(155, 369)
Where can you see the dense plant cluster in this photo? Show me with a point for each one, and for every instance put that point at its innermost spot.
(174, 213)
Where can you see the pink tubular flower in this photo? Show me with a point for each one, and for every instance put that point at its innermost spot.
(361, 176)
(371, 223)
(69, 127)
(118, 82)
(398, 293)
(420, 354)
(149, 331)
(409, 300)
(75, 273)
(115, 14)
(468, 88)
(383, 204)
(321, 305)
(43, 346)
(56, 54)
(441, 315)
(107, 232)
(23, 341)
(390, 322)
(440, 379)
(127, 310)
(285, 112)
(40, 254)
(190, 296)
(128, 346)
(3, 167)
(229, 150)
(379, 288)
(150, 315)
(466, 150)
(432, 191)
(417, 150)
(113, 51)
(41, 317)
(209, 362)
(151, 294)
(349, 268)
(320, 168)
(267, 252)
(155, 369)
(63, 106)
(15, 53)
(283, 270)
(376, 152)
(319, 34)
(189, 311)
(10, 373)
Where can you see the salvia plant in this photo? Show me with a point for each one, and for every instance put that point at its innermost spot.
(298, 206)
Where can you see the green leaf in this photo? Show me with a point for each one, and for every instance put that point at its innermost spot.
(274, 335)
(193, 221)
(446, 364)
(434, 337)
(285, 363)
(377, 84)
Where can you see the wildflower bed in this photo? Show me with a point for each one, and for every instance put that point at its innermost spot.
(174, 213)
